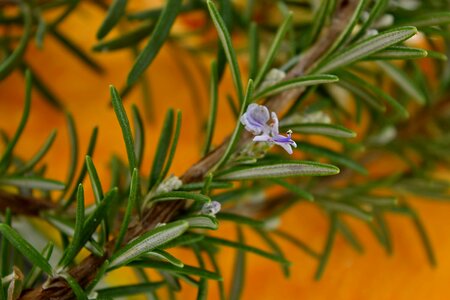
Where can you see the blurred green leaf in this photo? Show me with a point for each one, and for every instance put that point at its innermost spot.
(322, 129)
(29, 165)
(272, 52)
(159, 35)
(238, 278)
(186, 269)
(302, 81)
(225, 39)
(33, 183)
(129, 290)
(402, 79)
(115, 11)
(6, 156)
(25, 248)
(333, 156)
(8, 65)
(127, 39)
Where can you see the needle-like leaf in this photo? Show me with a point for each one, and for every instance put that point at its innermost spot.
(159, 35)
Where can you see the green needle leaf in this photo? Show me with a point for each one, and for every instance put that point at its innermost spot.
(296, 242)
(38, 156)
(161, 151)
(285, 85)
(274, 246)
(377, 9)
(115, 12)
(328, 246)
(186, 269)
(367, 47)
(125, 126)
(275, 45)
(347, 208)
(235, 136)
(225, 39)
(402, 111)
(173, 146)
(25, 248)
(40, 32)
(148, 241)
(5, 260)
(213, 96)
(12, 60)
(202, 221)
(363, 94)
(92, 222)
(294, 189)
(197, 186)
(237, 284)
(319, 19)
(398, 53)
(164, 256)
(343, 37)
(253, 50)
(238, 245)
(216, 268)
(73, 159)
(125, 40)
(82, 174)
(129, 290)
(349, 236)
(6, 157)
(430, 19)
(322, 129)
(159, 35)
(76, 50)
(33, 183)
(333, 156)
(132, 201)
(95, 180)
(36, 272)
(402, 79)
(75, 286)
(177, 195)
(278, 169)
(75, 245)
(139, 135)
(240, 220)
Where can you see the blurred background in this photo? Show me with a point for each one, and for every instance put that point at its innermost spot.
(85, 93)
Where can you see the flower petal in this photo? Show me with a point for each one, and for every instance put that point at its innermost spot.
(262, 138)
(286, 147)
(274, 128)
(255, 119)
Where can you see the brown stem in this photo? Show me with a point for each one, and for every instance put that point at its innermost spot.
(166, 211)
(22, 205)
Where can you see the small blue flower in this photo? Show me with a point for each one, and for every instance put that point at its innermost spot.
(255, 120)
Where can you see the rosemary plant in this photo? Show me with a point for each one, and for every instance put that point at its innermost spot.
(319, 70)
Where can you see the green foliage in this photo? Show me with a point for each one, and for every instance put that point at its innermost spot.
(125, 227)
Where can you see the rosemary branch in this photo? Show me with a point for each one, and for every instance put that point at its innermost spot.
(85, 271)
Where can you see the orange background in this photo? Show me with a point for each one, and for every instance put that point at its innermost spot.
(374, 275)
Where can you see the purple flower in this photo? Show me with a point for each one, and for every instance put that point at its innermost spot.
(255, 120)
